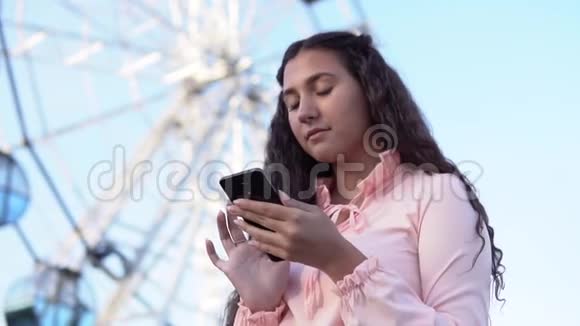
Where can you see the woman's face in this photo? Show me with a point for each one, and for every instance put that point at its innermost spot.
(326, 106)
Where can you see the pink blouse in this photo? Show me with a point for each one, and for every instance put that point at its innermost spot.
(418, 234)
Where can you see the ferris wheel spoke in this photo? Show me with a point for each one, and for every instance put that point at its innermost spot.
(96, 227)
(127, 286)
(107, 217)
(177, 276)
(44, 127)
(99, 119)
(36, 95)
(79, 12)
(144, 302)
(57, 34)
(156, 15)
(88, 67)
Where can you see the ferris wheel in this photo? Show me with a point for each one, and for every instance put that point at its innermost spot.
(117, 119)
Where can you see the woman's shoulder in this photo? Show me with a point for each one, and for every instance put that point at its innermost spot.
(442, 195)
(413, 191)
(415, 184)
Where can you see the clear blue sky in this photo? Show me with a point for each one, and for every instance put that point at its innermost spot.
(499, 83)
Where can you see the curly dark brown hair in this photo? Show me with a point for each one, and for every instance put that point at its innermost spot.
(390, 103)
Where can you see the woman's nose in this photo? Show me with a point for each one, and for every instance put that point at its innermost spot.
(307, 111)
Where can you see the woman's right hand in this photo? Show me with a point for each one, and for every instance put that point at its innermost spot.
(259, 281)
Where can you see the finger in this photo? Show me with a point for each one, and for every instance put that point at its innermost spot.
(268, 248)
(273, 211)
(224, 234)
(215, 259)
(260, 234)
(237, 235)
(270, 223)
(290, 202)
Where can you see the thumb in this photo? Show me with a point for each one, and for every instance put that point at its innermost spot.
(290, 202)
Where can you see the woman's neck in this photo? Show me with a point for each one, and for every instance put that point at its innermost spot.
(347, 174)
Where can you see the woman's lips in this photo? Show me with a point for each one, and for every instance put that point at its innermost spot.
(315, 134)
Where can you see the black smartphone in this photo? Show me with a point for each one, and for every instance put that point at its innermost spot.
(251, 184)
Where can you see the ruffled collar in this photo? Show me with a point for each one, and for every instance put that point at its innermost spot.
(379, 178)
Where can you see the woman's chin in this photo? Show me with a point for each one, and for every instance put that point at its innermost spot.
(323, 153)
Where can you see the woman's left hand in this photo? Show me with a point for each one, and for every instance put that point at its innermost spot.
(302, 232)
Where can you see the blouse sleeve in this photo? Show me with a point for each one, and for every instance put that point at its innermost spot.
(245, 317)
(452, 292)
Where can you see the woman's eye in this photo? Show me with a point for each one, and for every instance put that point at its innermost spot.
(292, 107)
(325, 92)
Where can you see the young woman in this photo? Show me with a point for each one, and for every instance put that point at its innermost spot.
(387, 235)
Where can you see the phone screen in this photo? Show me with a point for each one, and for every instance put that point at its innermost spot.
(251, 184)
